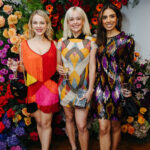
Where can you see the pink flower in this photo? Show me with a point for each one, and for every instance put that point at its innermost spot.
(138, 86)
(139, 78)
(140, 73)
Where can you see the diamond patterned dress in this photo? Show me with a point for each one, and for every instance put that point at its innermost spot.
(75, 55)
(114, 66)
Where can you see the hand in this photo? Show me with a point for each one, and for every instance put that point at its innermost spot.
(126, 93)
(61, 70)
(12, 64)
(88, 95)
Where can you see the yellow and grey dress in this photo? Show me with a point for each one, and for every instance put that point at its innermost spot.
(75, 54)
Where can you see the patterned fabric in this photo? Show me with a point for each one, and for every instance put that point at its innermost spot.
(40, 68)
(75, 56)
(114, 67)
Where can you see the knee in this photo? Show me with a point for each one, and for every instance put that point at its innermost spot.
(46, 124)
(104, 130)
(116, 128)
(82, 128)
(69, 119)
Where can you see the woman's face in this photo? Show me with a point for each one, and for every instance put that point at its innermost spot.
(39, 25)
(75, 23)
(109, 19)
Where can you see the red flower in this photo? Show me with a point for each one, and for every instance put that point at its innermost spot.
(10, 113)
(3, 101)
(2, 127)
(58, 131)
(124, 2)
(75, 2)
(67, 6)
(34, 136)
(1, 111)
(58, 119)
(86, 8)
(53, 1)
(60, 9)
(1, 88)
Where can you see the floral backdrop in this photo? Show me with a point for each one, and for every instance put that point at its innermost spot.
(17, 128)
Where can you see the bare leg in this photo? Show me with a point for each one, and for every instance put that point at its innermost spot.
(116, 134)
(37, 116)
(81, 121)
(46, 120)
(70, 127)
(104, 135)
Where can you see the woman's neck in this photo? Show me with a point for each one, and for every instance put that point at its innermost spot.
(112, 33)
(76, 34)
(39, 38)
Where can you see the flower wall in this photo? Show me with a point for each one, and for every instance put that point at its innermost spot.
(16, 125)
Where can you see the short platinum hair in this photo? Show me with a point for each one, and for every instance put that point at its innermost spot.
(86, 27)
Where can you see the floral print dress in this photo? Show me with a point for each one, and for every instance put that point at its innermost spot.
(114, 67)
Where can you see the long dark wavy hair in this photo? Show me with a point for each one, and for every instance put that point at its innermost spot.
(101, 31)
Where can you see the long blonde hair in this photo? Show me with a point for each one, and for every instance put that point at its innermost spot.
(49, 30)
(86, 27)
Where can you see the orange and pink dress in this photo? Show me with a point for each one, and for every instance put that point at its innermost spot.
(42, 90)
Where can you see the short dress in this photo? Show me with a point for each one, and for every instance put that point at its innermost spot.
(114, 67)
(42, 91)
(75, 54)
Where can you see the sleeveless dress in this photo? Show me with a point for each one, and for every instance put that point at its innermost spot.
(114, 67)
(42, 91)
(75, 53)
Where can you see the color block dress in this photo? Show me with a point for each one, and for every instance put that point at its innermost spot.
(42, 91)
(114, 67)
(75, 54)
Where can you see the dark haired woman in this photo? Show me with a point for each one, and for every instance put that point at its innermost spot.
(114, 67)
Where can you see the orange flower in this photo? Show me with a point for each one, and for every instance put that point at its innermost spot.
(2, 21)
(24, 112)
(130, 129)
(18, 14)
(136, 54)
(135, 59)
(18, 117)
(94, 21)
(141, 119)
(99, 7)
(130, 119)
(143, 110)
(14, 39)
(1, 3)
(12, 19)
(11, 32)
(22, 37)
(124, 128)
(7, 9)
(5, 33)
(117, 4)
(27, 121)
(25, 27)
(15, 49)
(49, 8)
(12, 26)
(26, 34)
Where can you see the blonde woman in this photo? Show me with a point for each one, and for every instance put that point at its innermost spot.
(76, 57)
(38, 58)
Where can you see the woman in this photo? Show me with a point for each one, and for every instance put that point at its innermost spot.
(76, 55)
(38, 57)
(115, 67)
